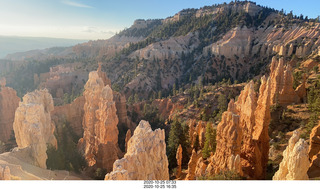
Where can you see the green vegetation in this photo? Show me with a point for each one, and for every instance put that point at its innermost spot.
(66, 157)
(224, 175)
(141, 32)
(178, 135)
(222, 107)
(210, 141)
(314, 107)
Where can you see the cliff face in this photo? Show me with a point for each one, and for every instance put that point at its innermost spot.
(9, 102)
(100, 139)
(146, 157)
(295, 162)
(33, 127)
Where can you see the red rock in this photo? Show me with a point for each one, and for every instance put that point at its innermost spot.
(128, 136)
(243, 132)
(179, 161)
(72, 113)
(314, 148)
(314, 153)
(192, 165)
(100, 137)
(9, 102)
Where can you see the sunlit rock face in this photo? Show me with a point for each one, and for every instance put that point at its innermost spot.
(295, 162)
(33, 127)
(9, 102)
(146, 157)
(100, 138)
(314, 153)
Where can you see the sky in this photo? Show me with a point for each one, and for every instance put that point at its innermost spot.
(100, 19)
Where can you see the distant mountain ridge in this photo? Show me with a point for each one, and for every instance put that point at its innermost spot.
(14, 44)
(233, 41)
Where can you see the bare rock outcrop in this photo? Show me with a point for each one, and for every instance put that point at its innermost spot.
(9, 102)
(282, 91)
(121, 106)
(33, 127)
(314, 153)
(295, 162)
(179, 161)
(228, 138)
(192, 165)
(314, 169)
(100, 138)
(128, 136)
(146, 157)
(314, 148)
(200, 168)
(197, 130)
(5, 173)
(242, 135)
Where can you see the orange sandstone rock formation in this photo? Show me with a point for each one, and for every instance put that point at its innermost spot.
(33, 127)
(146, 157)
(179, 160)
(100, 138)
(314, 153)
(192, 165)
(72, 113)
(128, 136)
(5, 173)
(295, 162)
(228, 138)
(314, 148)
(121, 106)
(9, 102)
(200, 168)
(197, 130)
(243, 132)
(282, 91)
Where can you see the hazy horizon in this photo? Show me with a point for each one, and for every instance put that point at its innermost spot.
(15, 44)
(95, 19)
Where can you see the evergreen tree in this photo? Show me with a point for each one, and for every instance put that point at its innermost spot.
(222, 105)
(178, 135)
(136, 98)
(210, 141)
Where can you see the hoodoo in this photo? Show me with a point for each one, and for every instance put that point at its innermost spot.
(146, 157)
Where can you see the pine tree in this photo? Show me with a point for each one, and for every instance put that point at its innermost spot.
(210, 141)
(178, 135)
